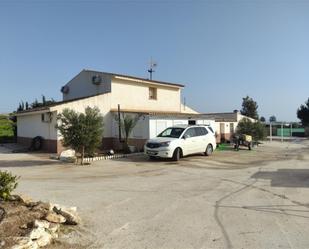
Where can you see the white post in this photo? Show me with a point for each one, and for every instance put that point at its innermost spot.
(281, 132)
(270, 133)
(291, 129)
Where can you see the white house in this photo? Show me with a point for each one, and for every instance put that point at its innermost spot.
(226, 123)
(158, 103)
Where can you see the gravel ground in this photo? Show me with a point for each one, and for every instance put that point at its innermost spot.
(246, 199)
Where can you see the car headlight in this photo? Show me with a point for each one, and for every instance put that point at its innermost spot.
(165, 144)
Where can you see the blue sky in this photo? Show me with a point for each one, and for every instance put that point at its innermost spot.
(221, 50)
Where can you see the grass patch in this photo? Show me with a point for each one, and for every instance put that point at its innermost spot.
(223, 147)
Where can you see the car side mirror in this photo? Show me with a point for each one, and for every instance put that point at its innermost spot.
(184, 136)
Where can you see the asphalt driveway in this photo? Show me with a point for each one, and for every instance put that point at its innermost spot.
(245, 199)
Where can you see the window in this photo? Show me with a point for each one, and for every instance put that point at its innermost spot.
(200, 131)
(171, 132)
(190, 133)
(231, 128)
(210, 128)
(46, 117)
(152, 93)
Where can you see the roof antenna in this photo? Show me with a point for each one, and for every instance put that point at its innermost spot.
(152, 66)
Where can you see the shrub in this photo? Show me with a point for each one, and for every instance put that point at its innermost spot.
(255, 129)
(8, 183)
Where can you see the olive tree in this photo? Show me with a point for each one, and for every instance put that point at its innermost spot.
(81, 131)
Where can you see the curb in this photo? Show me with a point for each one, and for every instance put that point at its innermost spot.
(100, 158)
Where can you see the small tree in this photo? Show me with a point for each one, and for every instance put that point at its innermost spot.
(8, 183)
(127, 124)
(303, 113)
(254, 129)
(249, 108)
(81, 131)
(272, 118)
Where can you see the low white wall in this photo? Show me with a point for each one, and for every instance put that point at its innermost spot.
(31, 126)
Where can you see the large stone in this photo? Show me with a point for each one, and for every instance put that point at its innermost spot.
(25, 243)
(70, 214)
(36, 233)
(53, 230)
(67, 153)
(26, 199)
(68, 156)
(45, 239)
(41, 223)
(55, 217)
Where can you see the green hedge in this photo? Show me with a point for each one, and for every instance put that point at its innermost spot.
(6, 129)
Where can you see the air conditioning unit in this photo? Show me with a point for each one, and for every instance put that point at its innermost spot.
(65, 89)
(96, 79)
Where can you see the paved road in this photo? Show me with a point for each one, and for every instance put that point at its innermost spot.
(256, 199)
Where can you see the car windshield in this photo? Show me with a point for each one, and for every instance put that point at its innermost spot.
(171, 132)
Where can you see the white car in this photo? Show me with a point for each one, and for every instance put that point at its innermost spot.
(178, 141)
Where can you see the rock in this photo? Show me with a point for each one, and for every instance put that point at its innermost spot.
(53, 227)
(41, 206)
(68, 159)
(44, 240)
(53, 230)
(36, 233)
(41, 223)
(25, 199)
(67, 153)
(24, 226)
(25, 243)
(70, 214)
(2, 243)
(68, 156)
(55, 218)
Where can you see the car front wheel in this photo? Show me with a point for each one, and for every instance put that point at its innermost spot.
(208, 150)
(176, 155)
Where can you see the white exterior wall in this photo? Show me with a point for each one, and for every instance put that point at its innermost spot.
(31, 126)
(103, 102)
(226, 129)
(140, 131)
(240, 117)
(135, 96)
(156, 126)
(81, 85)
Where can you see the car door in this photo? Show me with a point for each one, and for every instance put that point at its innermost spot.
(189, 142)
(202, 140)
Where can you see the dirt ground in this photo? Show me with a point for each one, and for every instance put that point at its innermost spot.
(17, 219)
(246, 199)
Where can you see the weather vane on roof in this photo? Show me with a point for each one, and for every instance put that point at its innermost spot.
(151, 69)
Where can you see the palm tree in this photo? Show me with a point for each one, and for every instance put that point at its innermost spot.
(127, 124)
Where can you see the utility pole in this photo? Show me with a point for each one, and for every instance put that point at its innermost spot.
(119, 124)
(151, 69)
(281, 132)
